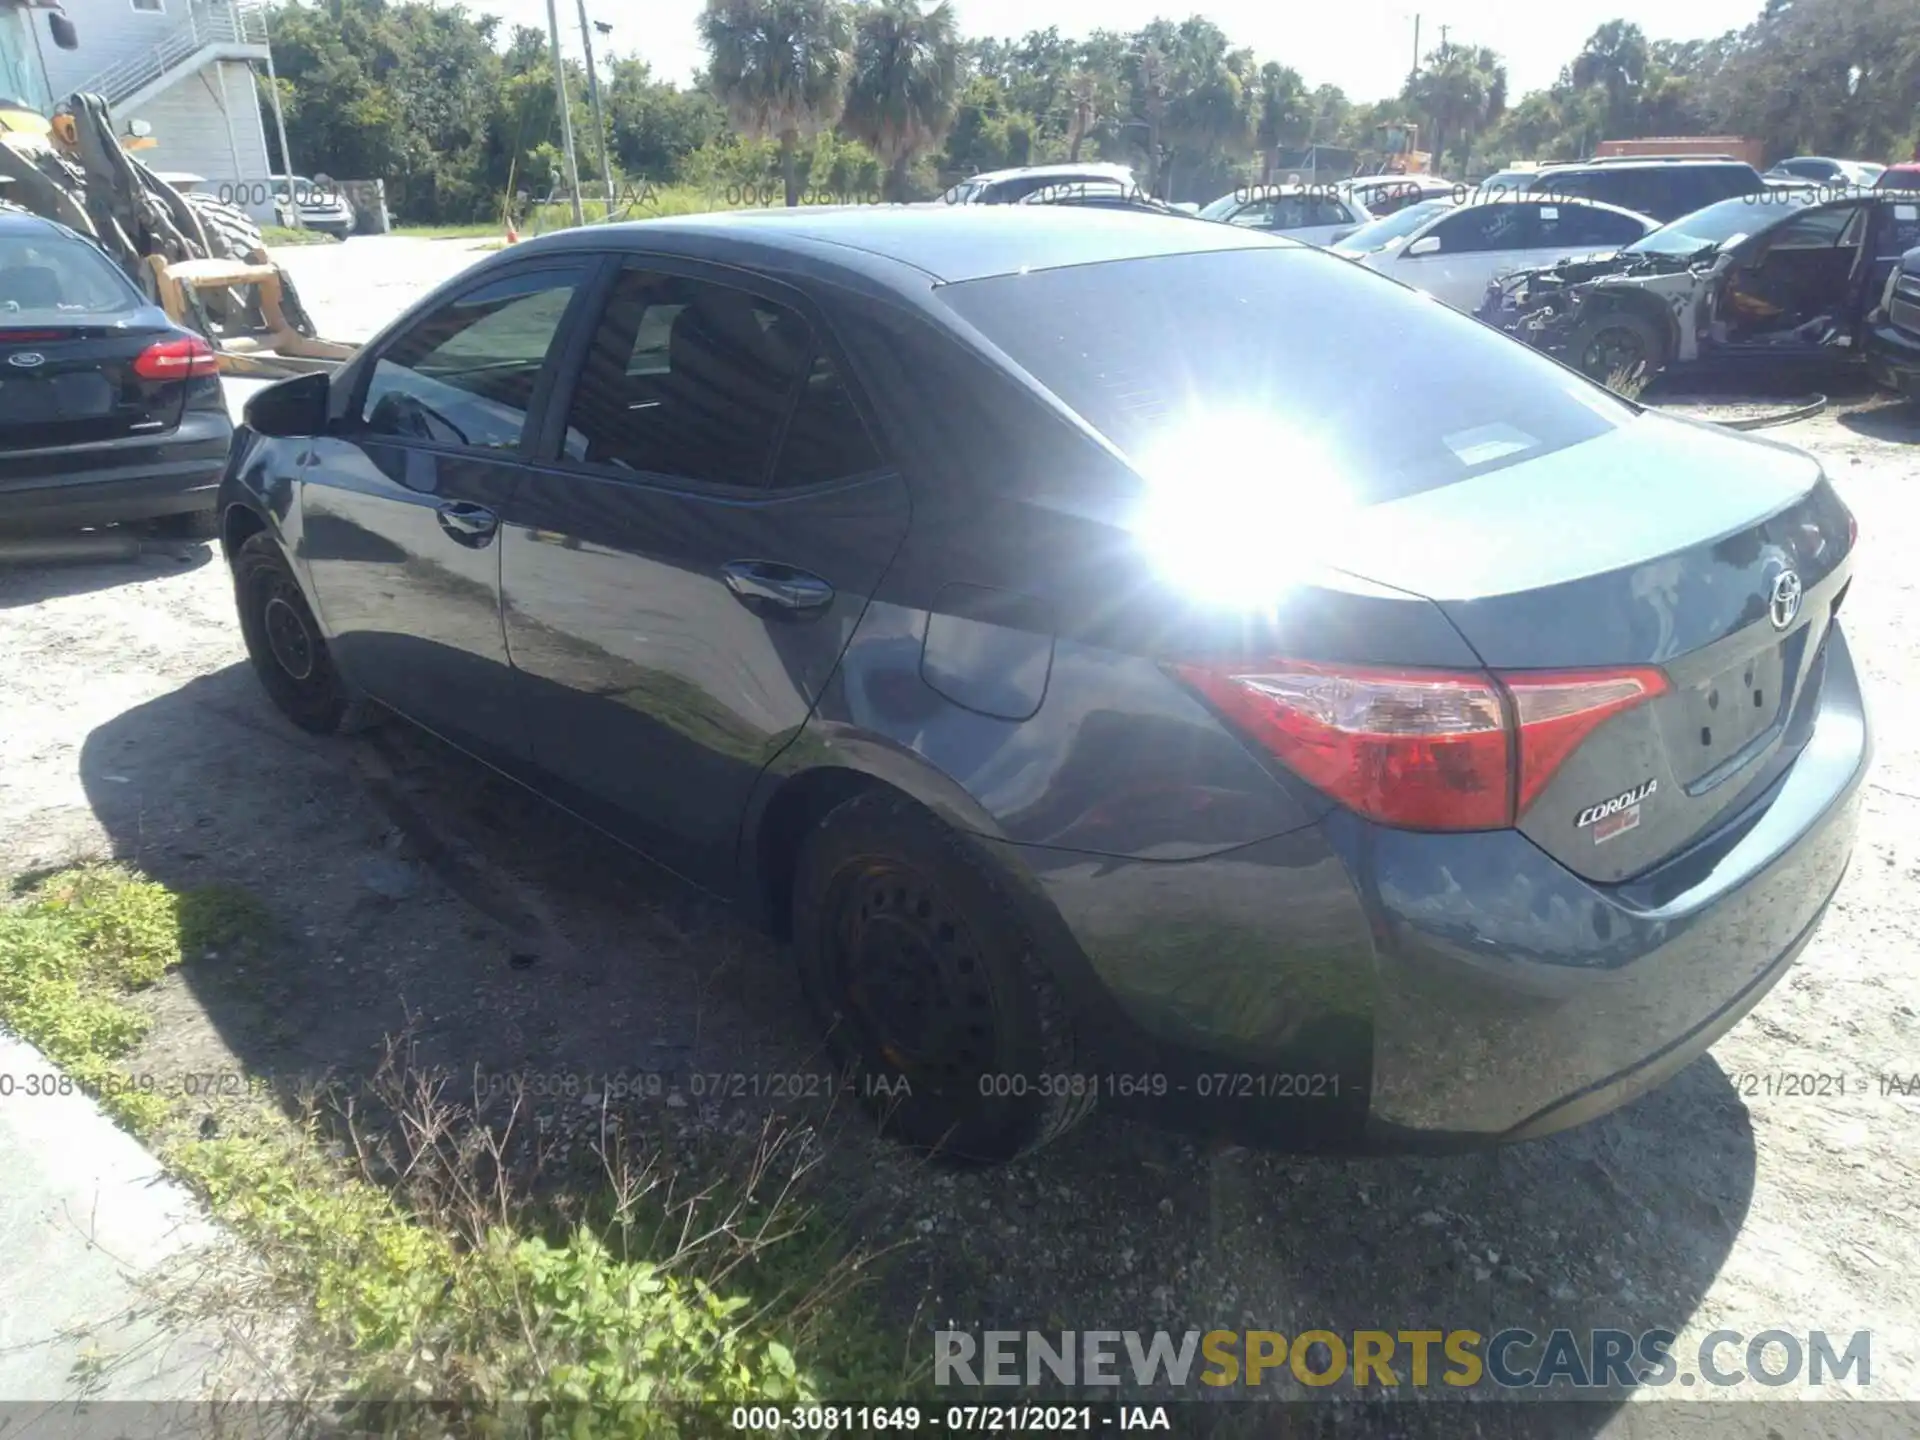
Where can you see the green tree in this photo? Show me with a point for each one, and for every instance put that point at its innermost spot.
(1616, 59)
(904, 86)
(780, 67)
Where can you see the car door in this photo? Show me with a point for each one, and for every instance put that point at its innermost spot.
(1895, 230)
(1475, 244)
(1792, 286)
(401, 502)
(688, 560)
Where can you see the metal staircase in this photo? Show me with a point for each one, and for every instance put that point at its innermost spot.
(213, 30)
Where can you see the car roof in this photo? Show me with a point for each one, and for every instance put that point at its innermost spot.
(1091, 167)
(13, 222)
(945, 244)
(1629, 162)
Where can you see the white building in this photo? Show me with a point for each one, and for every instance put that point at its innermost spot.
(186, 68)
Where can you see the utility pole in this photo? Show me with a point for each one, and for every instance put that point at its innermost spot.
(566, 121)
(593, 95)
(1443, 38)
(1414, 74)
(279, 120)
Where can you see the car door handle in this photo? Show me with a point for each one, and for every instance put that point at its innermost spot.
(471, 525)
(767, 585)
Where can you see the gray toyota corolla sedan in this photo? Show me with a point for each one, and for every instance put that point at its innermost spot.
(1133, 663)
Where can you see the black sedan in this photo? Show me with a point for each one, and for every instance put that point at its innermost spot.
(108, 410)
(1024, 612)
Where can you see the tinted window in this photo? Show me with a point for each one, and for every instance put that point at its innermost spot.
(1816, 230)
(1179, 358)
(465, 374)
(48, 276)
(1486, 227)
(687, 378)
(1380, 234)
(825, 437)
(1583, 226)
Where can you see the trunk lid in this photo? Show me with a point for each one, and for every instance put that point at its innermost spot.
(1664, 543)
(68, 384)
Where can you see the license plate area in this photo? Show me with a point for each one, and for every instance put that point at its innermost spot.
(1722, 716)
(81, 395)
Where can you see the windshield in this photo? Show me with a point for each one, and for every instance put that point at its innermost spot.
(21, 78)
(1382, 234)
(1224, 206)
(1722, 224)
(1270, 369)
(49, 276)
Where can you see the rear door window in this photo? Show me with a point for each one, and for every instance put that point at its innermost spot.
(1586, 227)
(1283, 367)
(688, 378)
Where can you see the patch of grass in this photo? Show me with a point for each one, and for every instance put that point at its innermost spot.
(81, 943)
(409, 1228)
(282, 235)
(1628, 381)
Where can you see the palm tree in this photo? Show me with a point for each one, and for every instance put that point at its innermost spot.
(1614, 58)
(780, 68)
(1462, 89)
(1282, 113)
(905, 84)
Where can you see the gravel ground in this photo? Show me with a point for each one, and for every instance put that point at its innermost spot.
(414, 892)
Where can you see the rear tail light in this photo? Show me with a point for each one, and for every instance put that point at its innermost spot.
(184, 358)
(1421, 749)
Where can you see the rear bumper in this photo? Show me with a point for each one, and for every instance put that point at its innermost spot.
(1354, 987)
(120, 480)
(1893, 358)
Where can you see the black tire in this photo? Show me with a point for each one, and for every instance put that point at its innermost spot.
(230, 230)
(283, 641)
(1616, 341)
(931, 988)
(188, 525)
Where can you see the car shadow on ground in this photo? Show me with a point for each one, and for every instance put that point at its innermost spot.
(1895, 421)
(46, 567)
(414, 892)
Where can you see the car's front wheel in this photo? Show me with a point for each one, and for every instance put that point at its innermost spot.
(283, 640)
(933, 992)
(1617, 347)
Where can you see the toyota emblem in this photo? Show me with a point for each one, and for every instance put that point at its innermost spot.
(1784, 603)
(27, 359)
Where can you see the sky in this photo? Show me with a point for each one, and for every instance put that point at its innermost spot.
(1363, 46)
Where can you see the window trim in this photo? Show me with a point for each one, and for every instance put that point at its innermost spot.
(350, 424)
(550, 451)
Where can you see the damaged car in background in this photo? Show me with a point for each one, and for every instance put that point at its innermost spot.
(1782, 278)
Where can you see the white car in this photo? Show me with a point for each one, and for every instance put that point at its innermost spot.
(1453, 252)
(1300, 212)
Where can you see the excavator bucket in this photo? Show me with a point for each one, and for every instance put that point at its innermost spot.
(203, 261)
(255, 334)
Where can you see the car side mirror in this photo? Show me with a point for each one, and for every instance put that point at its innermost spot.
(291, 410)
(65, 37)
(1425, 245)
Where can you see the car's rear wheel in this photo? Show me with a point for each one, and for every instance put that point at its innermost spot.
(1617, 346)
(934, 995)
(284, 642)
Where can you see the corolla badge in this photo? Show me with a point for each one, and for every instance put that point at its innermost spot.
(27, 359)
(1783, 604)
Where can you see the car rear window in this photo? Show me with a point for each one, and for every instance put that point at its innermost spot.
(1291, 361)
(50, 277)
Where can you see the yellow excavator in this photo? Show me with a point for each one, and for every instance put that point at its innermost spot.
(203, 261)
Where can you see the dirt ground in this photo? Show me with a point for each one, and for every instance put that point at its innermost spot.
(413, 891)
